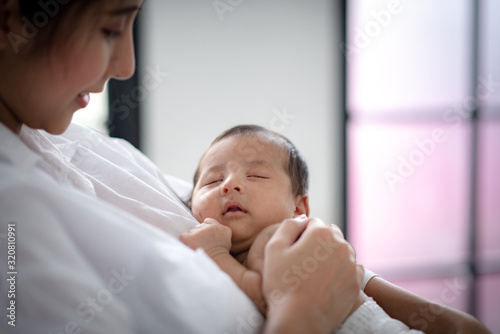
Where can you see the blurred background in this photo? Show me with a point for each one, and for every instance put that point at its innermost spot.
(395, 105)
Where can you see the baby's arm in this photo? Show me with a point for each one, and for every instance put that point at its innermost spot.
(215, 239)
(255, 257)
(419, 312)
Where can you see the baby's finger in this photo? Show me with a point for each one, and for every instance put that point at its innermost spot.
(210, 221)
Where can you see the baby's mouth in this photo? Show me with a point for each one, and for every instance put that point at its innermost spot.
(233, 207)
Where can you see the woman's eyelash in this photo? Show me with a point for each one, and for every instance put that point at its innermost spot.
(112, 33)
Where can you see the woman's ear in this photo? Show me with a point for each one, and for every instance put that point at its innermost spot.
(4, 15)
(11, 34)
(301, 205)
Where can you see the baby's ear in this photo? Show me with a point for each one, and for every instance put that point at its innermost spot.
(301, 205)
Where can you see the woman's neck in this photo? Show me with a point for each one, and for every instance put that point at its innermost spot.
(8, 118)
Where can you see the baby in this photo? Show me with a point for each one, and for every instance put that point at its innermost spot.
(247, 182)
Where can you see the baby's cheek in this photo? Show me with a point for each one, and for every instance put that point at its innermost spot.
(205, 208)
(197, 214)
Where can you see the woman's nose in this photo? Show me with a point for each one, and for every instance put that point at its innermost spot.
(122, 64)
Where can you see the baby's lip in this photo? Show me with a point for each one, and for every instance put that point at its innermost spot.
(233, 207)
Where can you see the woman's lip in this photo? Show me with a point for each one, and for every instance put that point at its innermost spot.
(83, 99)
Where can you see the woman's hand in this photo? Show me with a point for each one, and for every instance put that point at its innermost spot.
(311, 281)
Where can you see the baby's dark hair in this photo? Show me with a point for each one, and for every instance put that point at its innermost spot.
(297, 167)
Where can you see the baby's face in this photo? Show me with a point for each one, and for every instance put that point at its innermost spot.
(243, 184)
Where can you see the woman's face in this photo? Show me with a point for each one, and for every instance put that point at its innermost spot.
(43, 88)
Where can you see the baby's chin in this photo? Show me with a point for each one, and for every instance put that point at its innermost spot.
(259, 241)
(238, 247)
(240, 244)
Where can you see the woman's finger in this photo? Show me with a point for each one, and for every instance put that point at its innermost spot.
(288, 232)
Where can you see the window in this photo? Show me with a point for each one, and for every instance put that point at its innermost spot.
(423, 123)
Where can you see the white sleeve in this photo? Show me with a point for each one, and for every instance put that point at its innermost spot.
(120, 175)
(368, 275)
(370, 318)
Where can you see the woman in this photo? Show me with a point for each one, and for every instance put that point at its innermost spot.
(82, 256)
(81, 265)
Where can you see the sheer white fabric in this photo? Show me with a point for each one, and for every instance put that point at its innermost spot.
(82, 264)
(114, 171)
(89, 261)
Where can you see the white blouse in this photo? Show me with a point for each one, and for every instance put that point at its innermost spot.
(83, 266)
(85, 258)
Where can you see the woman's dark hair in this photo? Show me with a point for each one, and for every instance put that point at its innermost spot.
(48, 17)
(297, 167)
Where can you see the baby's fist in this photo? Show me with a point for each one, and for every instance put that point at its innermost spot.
(210, 235)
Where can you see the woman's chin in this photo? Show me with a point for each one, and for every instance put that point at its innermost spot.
(57, 129)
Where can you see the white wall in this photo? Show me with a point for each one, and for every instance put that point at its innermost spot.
(246, 63)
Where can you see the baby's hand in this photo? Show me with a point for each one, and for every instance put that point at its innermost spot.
(212, 236)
